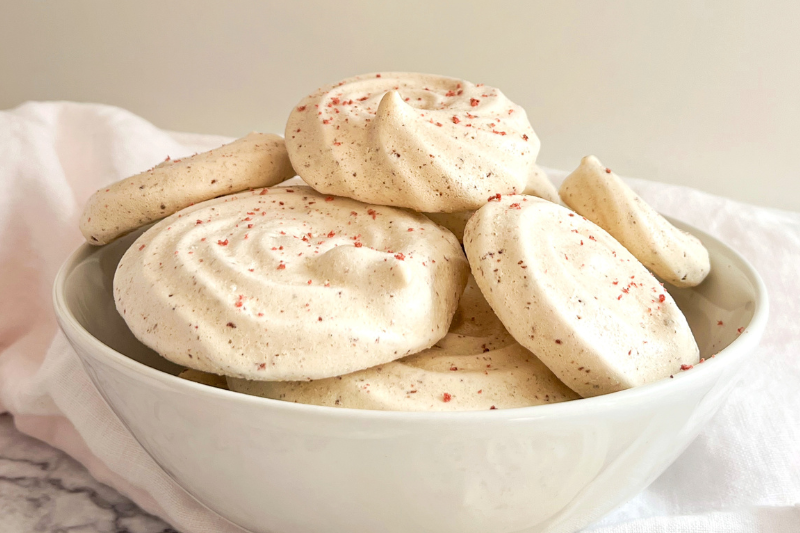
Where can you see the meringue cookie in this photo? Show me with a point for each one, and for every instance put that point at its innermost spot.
(538, 185)
(257, 160)
(595, 192)
(425, 142)
(570, 293)
(476, 366)
(289, 284)
(455, 222)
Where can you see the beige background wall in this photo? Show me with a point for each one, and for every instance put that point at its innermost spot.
(700, 93)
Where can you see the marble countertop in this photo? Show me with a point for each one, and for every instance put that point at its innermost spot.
(44, 490)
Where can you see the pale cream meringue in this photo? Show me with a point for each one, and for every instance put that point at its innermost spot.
(569, 292)
(289, 284)
(257, 160)
(595, 192)
(455, 222)
(425, 142)
(476, 366)
(538, 185)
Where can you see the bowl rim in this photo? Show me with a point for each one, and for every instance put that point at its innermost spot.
(740, 347)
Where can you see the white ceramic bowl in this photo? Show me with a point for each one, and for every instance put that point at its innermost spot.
(272, 466)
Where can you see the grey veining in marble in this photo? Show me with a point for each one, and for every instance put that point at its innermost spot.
(44, 490)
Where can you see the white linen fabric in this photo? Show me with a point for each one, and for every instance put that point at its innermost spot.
(742, 474)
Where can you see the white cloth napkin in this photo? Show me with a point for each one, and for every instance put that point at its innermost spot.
(742, 474)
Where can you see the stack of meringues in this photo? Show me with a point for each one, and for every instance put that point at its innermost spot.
(351, 288)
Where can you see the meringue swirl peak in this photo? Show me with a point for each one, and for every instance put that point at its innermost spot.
(289, 284)
(424, 142)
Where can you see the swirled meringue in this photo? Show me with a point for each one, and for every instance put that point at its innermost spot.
(425, 142)
(476, 366)
(569, 292)
(289, 284)
(538, 185)
(257, 160)
(595, 192)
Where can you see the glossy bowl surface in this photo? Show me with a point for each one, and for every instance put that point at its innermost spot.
(272, 466)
